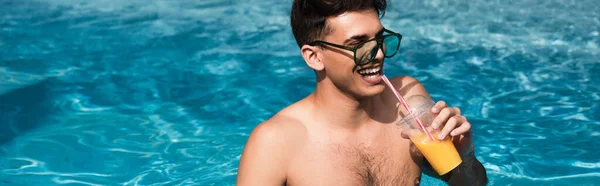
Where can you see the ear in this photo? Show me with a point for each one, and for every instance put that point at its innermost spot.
(311, 57)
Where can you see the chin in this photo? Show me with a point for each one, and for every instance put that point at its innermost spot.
(372, 90)
(376, 89)
(369, 86)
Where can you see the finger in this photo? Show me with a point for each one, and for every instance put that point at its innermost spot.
(438, 107)
(450, 125)
(457, 111)
(462, 129)
(444, 115)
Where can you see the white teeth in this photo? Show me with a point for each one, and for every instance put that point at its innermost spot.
(370, 70)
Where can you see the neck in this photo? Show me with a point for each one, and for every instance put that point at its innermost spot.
(339, 108)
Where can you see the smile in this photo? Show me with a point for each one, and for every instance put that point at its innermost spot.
(370, 71)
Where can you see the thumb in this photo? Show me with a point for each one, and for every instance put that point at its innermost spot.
(404, 134)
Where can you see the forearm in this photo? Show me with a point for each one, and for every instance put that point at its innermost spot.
(469, 172)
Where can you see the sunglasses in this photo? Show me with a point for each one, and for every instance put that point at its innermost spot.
(366, 51)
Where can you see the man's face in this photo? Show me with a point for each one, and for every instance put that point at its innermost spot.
(349, 29)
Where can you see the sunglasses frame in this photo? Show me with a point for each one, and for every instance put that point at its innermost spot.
(379, 40)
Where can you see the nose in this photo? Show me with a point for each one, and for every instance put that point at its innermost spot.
(379, 56)
(376, 55)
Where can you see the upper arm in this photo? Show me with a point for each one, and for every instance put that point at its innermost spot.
(265, 157)
(408, 86)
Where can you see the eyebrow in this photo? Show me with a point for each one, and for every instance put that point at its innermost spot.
(362, 37)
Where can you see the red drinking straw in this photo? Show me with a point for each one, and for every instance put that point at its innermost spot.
(389, 84)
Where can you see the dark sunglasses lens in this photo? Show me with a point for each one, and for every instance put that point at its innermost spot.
(365, 53)
(391, 44)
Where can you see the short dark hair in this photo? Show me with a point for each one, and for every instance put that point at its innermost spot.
(308, 17)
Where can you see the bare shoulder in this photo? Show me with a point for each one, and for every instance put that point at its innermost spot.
(270, 148)
(284, 129)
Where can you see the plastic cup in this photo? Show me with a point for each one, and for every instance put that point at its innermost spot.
(441, 154)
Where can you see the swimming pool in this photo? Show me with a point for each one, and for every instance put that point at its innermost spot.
(111, 92)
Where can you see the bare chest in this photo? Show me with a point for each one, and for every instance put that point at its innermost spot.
(381, 163)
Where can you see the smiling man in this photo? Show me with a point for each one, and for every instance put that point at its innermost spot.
(344, 132)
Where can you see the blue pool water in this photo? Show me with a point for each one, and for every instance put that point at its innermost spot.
(111, 92)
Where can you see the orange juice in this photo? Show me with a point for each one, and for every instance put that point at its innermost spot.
(442, 155)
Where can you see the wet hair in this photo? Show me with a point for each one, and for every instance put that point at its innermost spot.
(308, 17)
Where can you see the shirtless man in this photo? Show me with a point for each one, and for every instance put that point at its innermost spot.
(344, 132)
